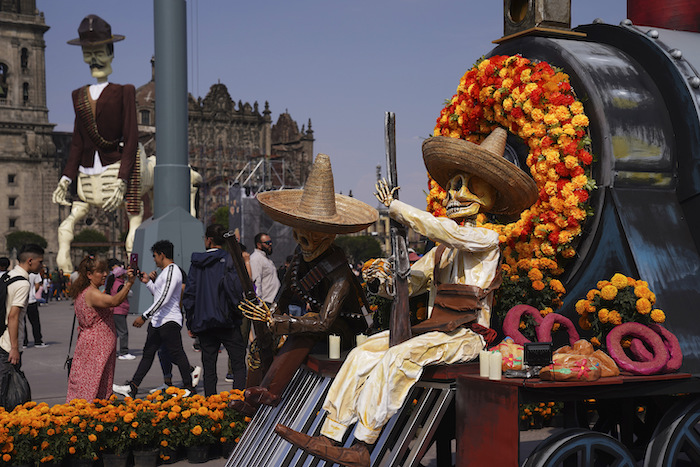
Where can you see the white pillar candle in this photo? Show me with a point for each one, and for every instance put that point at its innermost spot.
(484, 357)
(333, 346)
(495, 366)
(360, 339)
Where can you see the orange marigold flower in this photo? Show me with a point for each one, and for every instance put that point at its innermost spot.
(538, 285)
(581, 306)
(619, 280)
(592, 294)
(658, 316)
(615, 318)
(535, 275)
(595, 341)
(197, 430)
(603, 315)
(583, 323)
(643, 306)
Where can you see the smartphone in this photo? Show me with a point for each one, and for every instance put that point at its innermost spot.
(134, 261)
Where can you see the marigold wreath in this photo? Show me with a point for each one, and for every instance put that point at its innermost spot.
(535, 102)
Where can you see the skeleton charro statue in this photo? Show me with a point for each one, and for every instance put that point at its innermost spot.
(103, 153)
(461, 274)
(319, 274)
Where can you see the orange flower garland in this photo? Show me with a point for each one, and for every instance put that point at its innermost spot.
(535, 102)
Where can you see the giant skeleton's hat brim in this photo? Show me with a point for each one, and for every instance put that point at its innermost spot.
(445, 157)
(93, 30)
(317, 207)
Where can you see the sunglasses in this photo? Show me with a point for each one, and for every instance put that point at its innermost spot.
(269, 242)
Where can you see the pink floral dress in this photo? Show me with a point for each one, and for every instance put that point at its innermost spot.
(95, 356)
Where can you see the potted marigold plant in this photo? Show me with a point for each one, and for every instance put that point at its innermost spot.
(144, 420)
(113, 429)
(199, 428)
(620, 300)
(232, 422)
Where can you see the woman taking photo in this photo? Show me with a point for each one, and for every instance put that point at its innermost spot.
(92, 372)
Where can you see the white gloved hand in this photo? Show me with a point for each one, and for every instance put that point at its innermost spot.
(59, 194)
(117, 198)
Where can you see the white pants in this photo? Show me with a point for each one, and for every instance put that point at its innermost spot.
(375, 380)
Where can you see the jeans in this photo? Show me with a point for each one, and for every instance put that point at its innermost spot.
(169, 335)
(122, 333)
(210, 341)
(33, 317)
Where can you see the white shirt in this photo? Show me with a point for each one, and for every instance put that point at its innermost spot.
(166, 292)
(471, 257)
(264, 276)
(17, 295)
(34, 279)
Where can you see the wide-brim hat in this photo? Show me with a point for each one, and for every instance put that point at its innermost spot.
(445, 157)
(93, 30)
(317, 207)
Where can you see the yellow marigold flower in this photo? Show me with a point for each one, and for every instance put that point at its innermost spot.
(546, 311)
(547, 249)
(535, 275)
(562, 113)
(583, 323)
(579, 120)
(603, 315)
(508, 104)
(658, 316)
(609, 292)
(538, 285)
(643, 306)
(568, 253)
(537, 115)
(595, 341)
(619, 280)
(514, 278)
(576, 108)
(652, 297)
(550, 119)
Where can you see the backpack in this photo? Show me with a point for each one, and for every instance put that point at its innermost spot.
(5, 282)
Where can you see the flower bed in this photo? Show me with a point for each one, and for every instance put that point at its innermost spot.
(36, 433)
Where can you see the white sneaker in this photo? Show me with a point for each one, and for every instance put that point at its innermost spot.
(196, 374)
(124, 390)
(187, 393)
(126, 356)
(162, 387)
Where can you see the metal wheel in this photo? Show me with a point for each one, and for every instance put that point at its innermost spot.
(581, 448)
(676, 440)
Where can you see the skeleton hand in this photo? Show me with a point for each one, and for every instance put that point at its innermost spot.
(378, 272)
(59, 194)
(117, 198)
(256, 311)
(384, 194)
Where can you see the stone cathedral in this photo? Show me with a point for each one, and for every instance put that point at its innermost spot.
(230, 143)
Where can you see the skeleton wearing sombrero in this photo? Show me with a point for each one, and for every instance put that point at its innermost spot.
(319, 273)
(460, 274)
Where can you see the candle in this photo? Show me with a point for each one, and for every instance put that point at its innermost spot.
(360, 339)
(333, 346)
(484, 357)
(495, 366)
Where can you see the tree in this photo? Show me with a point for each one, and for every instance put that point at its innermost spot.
(359, 248)
(221, 216)
(92, 236)
(22, 237)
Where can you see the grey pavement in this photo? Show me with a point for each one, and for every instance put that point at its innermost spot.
(44, 370)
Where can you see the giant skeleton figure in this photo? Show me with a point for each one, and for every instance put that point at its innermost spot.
(110, 165)
(319, 273)
(461, 274)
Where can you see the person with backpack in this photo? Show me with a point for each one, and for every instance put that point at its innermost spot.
(114, 284)
(212, 293)
(14, 294)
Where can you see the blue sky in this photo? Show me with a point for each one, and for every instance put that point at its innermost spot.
(341, 64)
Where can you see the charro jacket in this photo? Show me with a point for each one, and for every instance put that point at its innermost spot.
(115, 115)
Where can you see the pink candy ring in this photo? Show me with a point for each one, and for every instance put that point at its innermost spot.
(511, 325)
(649, 337)
(544, 331)
(641, 353)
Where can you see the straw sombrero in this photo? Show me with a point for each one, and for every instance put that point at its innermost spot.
(317, 207)
(445, 157)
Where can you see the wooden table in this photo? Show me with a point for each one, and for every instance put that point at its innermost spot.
(487, 411)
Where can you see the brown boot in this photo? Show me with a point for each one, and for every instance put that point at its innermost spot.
(321, 446)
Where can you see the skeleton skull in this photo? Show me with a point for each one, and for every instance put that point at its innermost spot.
(100, 59)
(312, 243)
(467, 194)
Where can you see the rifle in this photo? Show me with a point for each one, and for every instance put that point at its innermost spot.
(400, 318)
(262, 350)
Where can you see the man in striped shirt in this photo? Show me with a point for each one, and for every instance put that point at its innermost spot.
(166, 320)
